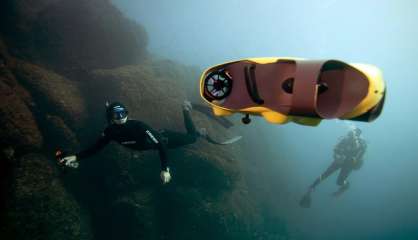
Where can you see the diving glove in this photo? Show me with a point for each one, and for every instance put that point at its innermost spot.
(165, 176)
(69, 161)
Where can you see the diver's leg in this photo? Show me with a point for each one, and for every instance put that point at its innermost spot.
(342, 181)
(305, 202)
(174, 139)
(330, 170)
(188, 121)
(342, 177)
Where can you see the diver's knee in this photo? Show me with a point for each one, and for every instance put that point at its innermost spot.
(190, 139)
(194, 138)
(342, 182)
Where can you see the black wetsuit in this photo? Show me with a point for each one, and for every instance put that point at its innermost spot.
(348, 156)
(139, 136)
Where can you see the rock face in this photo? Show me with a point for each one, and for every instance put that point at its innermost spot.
(63, 34)
(41, 207)
(19, 128)
(54, 80)
(34, 203)
(52, 91)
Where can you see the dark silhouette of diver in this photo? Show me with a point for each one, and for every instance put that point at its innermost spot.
(139, 136)
(348, 156)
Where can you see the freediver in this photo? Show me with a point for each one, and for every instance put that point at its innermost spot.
(348, 156)
(139, 136)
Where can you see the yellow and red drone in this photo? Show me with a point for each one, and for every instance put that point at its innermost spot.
(284, 89)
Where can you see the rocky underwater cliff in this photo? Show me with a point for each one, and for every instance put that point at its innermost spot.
(59, 62)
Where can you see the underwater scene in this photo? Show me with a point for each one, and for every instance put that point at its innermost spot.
(236, 119)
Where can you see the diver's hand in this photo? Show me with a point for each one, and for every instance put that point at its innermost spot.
(165, 176)
(69, 161)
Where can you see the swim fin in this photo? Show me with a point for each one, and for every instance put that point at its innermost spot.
(305, 202)
(209, 113)
(227, 142)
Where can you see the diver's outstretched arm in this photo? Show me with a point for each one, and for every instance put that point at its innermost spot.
(100, 144)
(72, 161)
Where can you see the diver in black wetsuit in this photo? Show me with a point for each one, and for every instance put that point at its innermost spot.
(348, 156)
(139, 136)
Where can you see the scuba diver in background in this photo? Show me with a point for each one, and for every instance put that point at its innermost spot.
(139, 136)
(348, 156)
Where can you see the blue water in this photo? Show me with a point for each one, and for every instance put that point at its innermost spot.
(383, 200)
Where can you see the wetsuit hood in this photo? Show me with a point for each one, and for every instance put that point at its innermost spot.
(116, 113)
